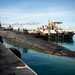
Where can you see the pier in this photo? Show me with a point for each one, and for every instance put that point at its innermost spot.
(10, 64)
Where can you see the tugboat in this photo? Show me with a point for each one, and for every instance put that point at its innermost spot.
(52, 31)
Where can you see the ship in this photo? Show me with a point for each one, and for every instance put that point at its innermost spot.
(52, 31)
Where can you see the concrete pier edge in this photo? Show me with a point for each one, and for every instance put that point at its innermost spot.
(23, 63)
(10, 64)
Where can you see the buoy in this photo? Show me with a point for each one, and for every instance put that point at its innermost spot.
(16, 52)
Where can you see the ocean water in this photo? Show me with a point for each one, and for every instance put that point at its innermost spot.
(47, 64)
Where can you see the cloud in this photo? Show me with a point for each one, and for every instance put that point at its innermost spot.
(18, 17)
(14, 14)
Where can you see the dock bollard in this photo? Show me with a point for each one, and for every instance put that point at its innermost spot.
(16, 52)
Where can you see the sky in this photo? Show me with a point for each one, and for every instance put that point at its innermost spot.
(31, 14)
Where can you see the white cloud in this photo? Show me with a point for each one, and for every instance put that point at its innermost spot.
(16, 15)
(20, 15)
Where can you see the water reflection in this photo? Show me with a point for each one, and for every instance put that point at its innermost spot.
(21, 47)
(25, 50)
(69, 41)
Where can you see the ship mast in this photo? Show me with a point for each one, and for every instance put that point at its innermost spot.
(49, 24)
(49, 27)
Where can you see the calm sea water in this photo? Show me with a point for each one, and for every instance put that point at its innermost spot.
(47, 64)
